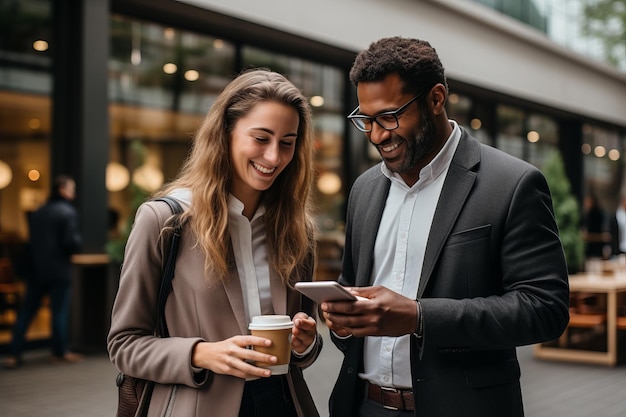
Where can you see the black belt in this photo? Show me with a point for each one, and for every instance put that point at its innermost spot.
(391, 398)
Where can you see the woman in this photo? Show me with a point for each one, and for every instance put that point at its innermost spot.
(248, 237)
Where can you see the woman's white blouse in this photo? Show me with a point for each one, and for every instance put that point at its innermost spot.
(250, 248)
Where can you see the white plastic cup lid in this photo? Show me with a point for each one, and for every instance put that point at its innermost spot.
(271, 322)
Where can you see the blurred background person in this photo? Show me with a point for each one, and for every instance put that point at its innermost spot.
(54, 238)
(620, 219)
(594, 228)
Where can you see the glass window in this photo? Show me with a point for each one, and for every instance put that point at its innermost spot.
(509, 136)
(570, 23)
(542, 137)
(528, 136)
(25, 37)
(162, 81)
(472, 115)
(603, 164)
(25, 113)
(167, 68)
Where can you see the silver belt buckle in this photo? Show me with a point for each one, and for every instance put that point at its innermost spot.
(389, 407)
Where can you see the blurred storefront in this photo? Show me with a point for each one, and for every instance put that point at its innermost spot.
(111, 93)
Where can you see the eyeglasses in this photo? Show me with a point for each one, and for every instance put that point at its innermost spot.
(387, 120)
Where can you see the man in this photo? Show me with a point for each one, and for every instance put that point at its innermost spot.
(54, 237)
(454, 244)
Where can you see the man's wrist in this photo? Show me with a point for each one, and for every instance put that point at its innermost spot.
(419, 327)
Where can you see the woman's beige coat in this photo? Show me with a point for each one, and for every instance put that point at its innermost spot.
(195, 312)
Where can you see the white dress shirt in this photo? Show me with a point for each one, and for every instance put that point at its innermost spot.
(249, 240)
(398, 257)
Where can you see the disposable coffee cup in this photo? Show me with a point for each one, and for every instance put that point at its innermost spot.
(277, 328)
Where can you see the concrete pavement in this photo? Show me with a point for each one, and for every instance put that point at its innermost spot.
(551, 389)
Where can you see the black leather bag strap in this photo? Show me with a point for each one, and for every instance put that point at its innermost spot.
(170, 264)
(132, 403)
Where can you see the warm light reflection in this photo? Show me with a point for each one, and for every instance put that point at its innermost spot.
(117, 176)
(453, 98)
(135, 57)
(168, 33)
(476, 124)
(192, 75)
(614, 155)
(599, 151)
(218, 44)
(34, 124)
(585, 148)
(317, 101)
(170, 68)
(329, 183)
(532, 136)
(148, 177)
(6, 175)
(34, 175)
(40, 45)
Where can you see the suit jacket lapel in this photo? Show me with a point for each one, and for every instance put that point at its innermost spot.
(456, 188)
(372, 214)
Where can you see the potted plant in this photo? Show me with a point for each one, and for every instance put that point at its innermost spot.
(566, 212)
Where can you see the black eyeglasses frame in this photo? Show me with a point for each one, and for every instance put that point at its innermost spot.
(355, 118)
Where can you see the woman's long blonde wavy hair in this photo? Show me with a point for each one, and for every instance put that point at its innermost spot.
(208, 173)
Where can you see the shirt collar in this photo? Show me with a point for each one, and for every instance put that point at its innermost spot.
(439, 164)
(235, 207)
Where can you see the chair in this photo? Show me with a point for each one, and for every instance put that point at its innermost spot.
(587, 311)
(621, 317)
(10, 294)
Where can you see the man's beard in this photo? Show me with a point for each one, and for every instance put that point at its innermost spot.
(419, 145)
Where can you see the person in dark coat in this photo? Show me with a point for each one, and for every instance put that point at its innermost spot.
(54, 237)
(594, 226)
(454, 246)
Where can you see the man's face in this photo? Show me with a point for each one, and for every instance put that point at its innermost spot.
(68, 190)
(407, 149)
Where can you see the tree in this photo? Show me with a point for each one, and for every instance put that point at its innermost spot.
(566, 212)
(605, 20)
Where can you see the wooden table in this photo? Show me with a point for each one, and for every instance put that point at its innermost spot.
(598, 283)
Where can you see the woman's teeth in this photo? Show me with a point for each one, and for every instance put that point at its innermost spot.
(263, 169)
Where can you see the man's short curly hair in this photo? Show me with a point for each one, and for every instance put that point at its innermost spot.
(414, 60)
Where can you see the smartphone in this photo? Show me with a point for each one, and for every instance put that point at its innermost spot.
(321, 291)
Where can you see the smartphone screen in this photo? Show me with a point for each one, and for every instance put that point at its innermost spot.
(321, 291)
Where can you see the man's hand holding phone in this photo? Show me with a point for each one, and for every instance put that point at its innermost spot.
(384, 313)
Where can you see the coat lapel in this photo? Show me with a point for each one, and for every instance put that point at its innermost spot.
(372, 214)
(234, 292)
(456, 189)
(279, 293)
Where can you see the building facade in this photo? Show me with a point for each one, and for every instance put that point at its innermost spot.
(111, 92)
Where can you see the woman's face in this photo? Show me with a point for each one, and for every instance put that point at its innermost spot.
(262, 144)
